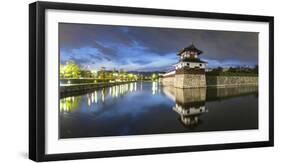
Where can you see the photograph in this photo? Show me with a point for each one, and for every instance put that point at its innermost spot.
(112, 81)
(118, 80)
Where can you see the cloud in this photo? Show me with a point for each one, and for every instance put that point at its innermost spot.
(144, 48)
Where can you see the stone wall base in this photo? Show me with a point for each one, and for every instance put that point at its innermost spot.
(231, 81)
(201, 81)
(190, 81)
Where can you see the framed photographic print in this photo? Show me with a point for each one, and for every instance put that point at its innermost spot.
(117, 81)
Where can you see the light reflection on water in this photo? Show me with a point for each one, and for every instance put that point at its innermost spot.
(69, 104)
(148, 108)
(101, 95)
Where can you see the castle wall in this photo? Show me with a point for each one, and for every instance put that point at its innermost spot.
(190, 81)
(168, 81)
(200, 80)
(226, 81)
(185, 96)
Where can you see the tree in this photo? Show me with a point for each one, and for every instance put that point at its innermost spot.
(86, 73)
(109, 75)
(219, 69)
(101, 73)
(154, 76)
(130, 76)
(232, 70)
(71, 70)
(62, 71)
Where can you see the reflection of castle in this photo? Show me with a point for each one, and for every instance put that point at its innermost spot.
(190, 104)
(189, 114)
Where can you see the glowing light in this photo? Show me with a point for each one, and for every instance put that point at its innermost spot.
(92, 97)
(102, 95)
(69, 104)
(94, 71)
(96, 97)
(154, 87)
(131, 87)
(89, 102)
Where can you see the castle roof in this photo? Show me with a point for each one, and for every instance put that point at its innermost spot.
(190, 48)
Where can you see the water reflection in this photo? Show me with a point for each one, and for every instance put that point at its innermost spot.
(101, 95)
(189, 104)
(214, 94)
(155, 87)
(93, 97)
(69, 104)
(128, 109)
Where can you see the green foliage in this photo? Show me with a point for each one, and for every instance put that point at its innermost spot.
(230, 74)
(62, 71)
(154, 77)
(234, 71)
(70, 70)
(86, 73)
(130, 76)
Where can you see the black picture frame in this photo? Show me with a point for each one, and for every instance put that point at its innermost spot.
(37, 80)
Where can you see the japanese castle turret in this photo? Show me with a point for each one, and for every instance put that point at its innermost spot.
(190, 70)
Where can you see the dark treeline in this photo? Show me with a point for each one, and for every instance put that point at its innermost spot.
(234, 71)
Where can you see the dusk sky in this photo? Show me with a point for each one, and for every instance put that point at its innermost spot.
(152, 49)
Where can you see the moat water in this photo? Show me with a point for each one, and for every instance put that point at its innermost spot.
(149, 108)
